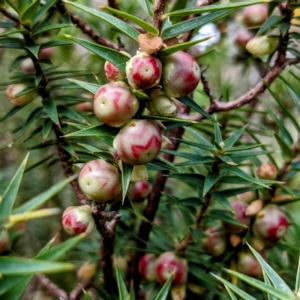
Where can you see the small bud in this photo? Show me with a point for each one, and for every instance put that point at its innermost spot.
(87, 270)
(15, 89)
(246, 196)
(215, 244)
(270, 224)
(139, 173)
(78, 219)
(162, 106)
(262, 45)
(150, 43)
(281, 198)
(235, 240)
(254, 207)
(139, 191)
(167, 264)
(240, 208)
(165, 142)
(267, 171)
(147, 267)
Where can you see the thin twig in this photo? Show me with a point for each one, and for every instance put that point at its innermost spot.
(206, 88)
(87, 29)
(78, 290)
(158, 13)
(51, 287)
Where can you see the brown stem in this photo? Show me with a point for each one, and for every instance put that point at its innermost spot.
(158, 13)
(78, 290)
(206, 88)
(113, 4)
(87, 29)
(51, 287)
(10, 16)
(107, 239)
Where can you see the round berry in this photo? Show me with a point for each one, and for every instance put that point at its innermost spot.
(147, 266)
(115, 104)
(139, 191)
(138, 142)
(163, 106)
(99, 180)
(255, 15)
(267, 171)
(78, 219)
(215, 243)
(247, 263)
(17, 88)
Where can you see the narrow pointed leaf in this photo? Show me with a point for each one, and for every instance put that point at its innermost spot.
(115, 57)
(273, 276)
(123, 293)
(43, 10)
(11, 113)
(297, 283)
(145, 25)
(51, 110)
(231, 140)
(221, 198)
(30, 11)
(113, 21)
(210, 181)
(126, 175)
(34, 49)
(196, 22)
(90, 87)
(50, 27)
(164, 292)
(11, 192)
(38, 163)
(43, 197)
(286, 150)
(218, 134)
(269, 23)
(47, 128)
(70, 113)
(192, 104)
(147, 6)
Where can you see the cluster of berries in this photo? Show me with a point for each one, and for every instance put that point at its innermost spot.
(268, 223)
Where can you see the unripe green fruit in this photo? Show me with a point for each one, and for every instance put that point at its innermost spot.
(138, 142)
(143, 71)
(99, 180)
(15, 89)
(162, 106)
(262, 45)
(78, 219)
(115, 104)
(180, 74)
(247, 263)
(87, 270)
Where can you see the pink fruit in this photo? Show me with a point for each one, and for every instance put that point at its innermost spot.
(46, 53)
(138, 142)
(215, 244)
(139, 191)
(255, 15)
(115, 104)
(240, 208)
(180, 74)
(270, 224)
(85, 106)
(267, 171)
(247, 263)
(147, 266)
(112, 73)
(78, 219)
(99, 180)
(166, 264)
(143, 71)
(243, 37)
(15, 89)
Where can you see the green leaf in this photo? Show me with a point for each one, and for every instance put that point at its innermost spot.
(214, 7)
(297, 283)
(115, 22)
(98, 130)
(284, 132)
(224, 216)
(38, 163)
(286, 150)
(231, 140)
(33, 116)
(16, 265)
(115, 57)
(267, 281)
(295, 95)
(90, 87)
(218, 134)
(43, 11)
(47, 128)
(43, 197)
(234, 288)
(17, 62)
(163, 293)
(192, 104)
(71, 114)
(51, 110)
(147, 6)
(221, 198)
(201, 146)
(200, 138)
(269, 23)
(145, 25)
(34, 49)
(210, 181)
(172, 49)
(126, 175)
(87, 295)
(50, 27)
(273, 276)
(13, 111)
(30, 11)
(261, 285)
(123, 293)
(11, 192)
(15, 43)
(196, 22)
(12, 31)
